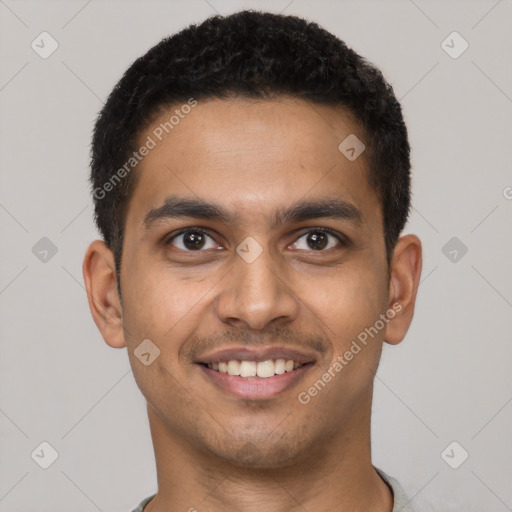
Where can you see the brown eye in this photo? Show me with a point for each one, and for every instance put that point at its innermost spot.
(192, 240)
(319, 239)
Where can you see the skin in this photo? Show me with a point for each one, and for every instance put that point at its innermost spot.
(214, 451)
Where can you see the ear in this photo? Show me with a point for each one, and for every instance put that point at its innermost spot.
(101, 285)
(405, 271)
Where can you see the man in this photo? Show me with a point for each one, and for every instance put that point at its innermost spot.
(251, 179)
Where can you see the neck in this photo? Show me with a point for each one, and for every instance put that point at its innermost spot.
(336, 475)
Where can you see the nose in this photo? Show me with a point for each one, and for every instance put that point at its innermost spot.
(256, 294)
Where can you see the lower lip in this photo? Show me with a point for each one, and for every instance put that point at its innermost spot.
(254, 388)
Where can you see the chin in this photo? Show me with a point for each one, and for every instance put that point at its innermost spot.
(263, 453)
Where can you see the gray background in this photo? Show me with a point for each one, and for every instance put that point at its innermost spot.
(449, 381)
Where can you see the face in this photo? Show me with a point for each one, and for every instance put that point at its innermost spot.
(250, 237)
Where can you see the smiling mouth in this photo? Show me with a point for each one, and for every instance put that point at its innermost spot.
(256, 380)
(254, 369)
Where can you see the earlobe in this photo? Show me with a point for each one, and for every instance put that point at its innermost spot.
(101, 285)
(404, 280)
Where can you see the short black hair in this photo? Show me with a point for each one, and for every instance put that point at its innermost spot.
(254, 55)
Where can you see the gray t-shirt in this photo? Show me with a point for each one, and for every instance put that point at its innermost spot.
(400, 501)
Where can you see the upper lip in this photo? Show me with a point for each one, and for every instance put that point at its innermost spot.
(257, 355)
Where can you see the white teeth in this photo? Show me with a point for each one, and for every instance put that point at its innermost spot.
(247, 369)
(262, 369)
(279, 366)
(265, 369)
(233, 368)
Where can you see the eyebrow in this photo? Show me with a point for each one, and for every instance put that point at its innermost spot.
(176, 207)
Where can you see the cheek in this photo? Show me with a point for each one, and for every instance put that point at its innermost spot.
(166, 311)
(351, 306)
(163, 307)
(347, 301)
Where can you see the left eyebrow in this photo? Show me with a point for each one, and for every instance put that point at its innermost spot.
(177, 206)
(337, 209)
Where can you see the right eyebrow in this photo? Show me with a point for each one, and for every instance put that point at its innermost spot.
(175, 207)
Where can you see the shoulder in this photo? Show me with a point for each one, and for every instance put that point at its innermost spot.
(143, 503)
(400, 501)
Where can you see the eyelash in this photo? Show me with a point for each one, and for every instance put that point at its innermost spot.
(341, 239)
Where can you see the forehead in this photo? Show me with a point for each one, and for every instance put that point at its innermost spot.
(250, 155)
